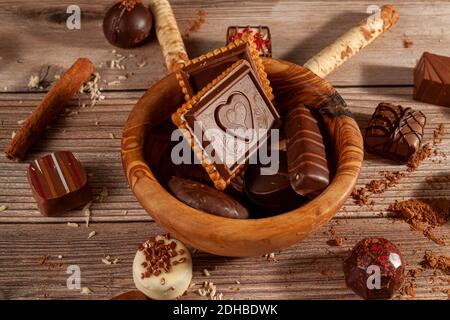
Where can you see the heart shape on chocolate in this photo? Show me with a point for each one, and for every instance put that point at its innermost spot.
(235, 117)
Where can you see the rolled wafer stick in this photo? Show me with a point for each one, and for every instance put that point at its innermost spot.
(351, 42)
(169, 37)
(322, 64)
(52, 104)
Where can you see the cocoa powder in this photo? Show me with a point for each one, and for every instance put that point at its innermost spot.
(423, 214)
(433, 261)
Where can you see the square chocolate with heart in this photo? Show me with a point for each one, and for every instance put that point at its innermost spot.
(200, 71)
(227, 121)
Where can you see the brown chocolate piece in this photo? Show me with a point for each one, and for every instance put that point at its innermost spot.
(372, 258)
(271, 190)
(227, 122)
(192, 170)
(199, 72)
(127, 23)
(208, 199)
(395, 132)
(131, 295)
(306, 155)
(59, 183)
(432, 79)
(259, 34)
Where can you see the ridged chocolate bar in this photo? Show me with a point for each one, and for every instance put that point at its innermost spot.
(395, 132)
(306, 154)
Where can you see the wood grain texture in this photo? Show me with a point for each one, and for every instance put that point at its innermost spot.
(309, 270)
(299, 30)
(100, 155)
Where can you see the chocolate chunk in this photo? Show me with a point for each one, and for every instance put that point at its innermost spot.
(189, 169)
(432, 79)
(271, 190)
(59, 183)
(374, 269)
(395, 132)
(202, 197)
(199, 72)
(260, 35)
(127, 23)
(306, 155)
(227, 122)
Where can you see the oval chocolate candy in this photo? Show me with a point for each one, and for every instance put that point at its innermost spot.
(202, 197)
(271, 190)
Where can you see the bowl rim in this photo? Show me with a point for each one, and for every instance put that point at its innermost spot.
(225, 236)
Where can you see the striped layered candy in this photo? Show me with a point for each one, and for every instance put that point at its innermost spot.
(59, 183)
(306, 154)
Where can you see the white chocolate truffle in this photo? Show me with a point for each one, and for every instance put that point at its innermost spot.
(162, 268)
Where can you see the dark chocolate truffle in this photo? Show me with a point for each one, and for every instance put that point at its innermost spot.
(374, 269)
(127, 23)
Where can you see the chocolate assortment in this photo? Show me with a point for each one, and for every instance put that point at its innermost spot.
(234, 107)
(432, 79)
(59, 183)
(127, 23)
(271, 190)
(395, 132)
(260, 35)
(306, 155)
(374, 269)
(199, 72)
(205, 198)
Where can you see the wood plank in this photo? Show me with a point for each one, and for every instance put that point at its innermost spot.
(299, 30)
(101, 155)
(309, 270)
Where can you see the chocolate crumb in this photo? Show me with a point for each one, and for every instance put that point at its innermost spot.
(337, 242)
(407, 43)
(196, 24)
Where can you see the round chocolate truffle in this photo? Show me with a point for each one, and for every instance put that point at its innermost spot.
(127, 23)
(374, 269)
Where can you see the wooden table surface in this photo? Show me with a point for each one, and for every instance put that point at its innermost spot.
(34, 39)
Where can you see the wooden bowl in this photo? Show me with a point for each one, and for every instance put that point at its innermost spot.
(292, 84)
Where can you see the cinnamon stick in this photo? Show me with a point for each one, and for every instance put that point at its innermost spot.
(52, 104)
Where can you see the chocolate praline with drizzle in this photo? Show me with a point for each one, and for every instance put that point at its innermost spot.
(127, 23)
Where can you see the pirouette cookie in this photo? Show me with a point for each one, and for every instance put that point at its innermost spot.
(162, 268)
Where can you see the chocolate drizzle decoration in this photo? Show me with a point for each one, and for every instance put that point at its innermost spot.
(395, 132)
